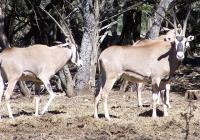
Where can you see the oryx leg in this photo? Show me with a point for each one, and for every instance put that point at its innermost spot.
(163, 96)
(8, 92)
(98, 94)
(155, 98)
(37, 98)
(167, 95)
(159, 98)
(97, 98)
(105, 92)
(49, 89)
(155, 91)
(164, 99)
(139, 94)
(1, 89)
(96, 104)
(107, 85)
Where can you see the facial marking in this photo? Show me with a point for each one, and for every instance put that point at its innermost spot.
(180, 42)
(179, 38)
(180, 47)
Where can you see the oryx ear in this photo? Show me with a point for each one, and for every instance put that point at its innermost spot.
(190, 38)
(187, 44)
(164, 29)
(67, 45)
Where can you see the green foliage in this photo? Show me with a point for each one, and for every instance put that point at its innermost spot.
(196, 6)
(147, 8)
(146, 14)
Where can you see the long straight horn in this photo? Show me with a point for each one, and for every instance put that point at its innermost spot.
(185, 22)
(175, 24)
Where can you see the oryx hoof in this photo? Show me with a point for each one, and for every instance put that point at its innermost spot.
(108, 118)
(140, 105)
(96, 116)
(11, 117)
(166, 114)
(154, 116)
(37, 115)
(42, 113)
(169, 106)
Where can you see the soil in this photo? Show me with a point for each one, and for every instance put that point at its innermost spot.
(72, 118)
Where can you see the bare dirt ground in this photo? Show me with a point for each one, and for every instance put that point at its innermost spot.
(72, 118)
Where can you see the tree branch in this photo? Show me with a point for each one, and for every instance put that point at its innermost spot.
(108, 26)
(124, 11)
(42, 8)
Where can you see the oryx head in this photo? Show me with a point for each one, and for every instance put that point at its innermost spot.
(181, 41)
(75, 57)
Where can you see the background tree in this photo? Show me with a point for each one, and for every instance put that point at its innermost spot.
(83, 74)
(158, 18)
(3, 40)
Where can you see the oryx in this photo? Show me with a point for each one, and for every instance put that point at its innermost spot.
(152, 59)
(36, 63)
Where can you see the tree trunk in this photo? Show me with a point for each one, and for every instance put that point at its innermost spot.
(155, 28)
(83, 74)
(3, 39)
(1, 20)
(66, 80)
(96, 44)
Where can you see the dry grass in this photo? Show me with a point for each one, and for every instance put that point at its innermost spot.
(71, 118)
